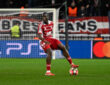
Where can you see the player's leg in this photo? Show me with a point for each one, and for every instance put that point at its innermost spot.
(49, 54)
(48, 51)
(48, 59)
(66, 54)
(48, 62)
(56, 44)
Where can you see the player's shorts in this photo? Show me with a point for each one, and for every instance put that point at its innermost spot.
(53, 44)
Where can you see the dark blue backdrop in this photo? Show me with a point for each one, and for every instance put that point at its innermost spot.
(32, 49)
(79, 49)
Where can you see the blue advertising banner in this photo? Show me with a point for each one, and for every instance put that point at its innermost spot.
(32, 49)
(80, 49)
(21, 49)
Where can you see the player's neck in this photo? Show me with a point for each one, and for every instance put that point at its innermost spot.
(46, 22)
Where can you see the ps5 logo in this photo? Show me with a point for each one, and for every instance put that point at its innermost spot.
(19, 46)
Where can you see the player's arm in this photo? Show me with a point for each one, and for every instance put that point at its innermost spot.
(39, 33)
(42, 39)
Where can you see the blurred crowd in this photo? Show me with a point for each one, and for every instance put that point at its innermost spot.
(89, 8)
(13, 3)
(76, 8)
(30, 3)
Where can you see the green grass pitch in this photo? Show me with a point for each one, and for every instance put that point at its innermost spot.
(31, 72)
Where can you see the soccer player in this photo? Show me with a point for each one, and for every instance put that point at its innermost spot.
(48, 43)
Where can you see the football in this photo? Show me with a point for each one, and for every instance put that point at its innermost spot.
(73, 71)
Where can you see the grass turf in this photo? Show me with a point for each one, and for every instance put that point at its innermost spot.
(31, 72)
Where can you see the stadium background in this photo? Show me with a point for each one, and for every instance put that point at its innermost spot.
(82, 30)
(22, 61)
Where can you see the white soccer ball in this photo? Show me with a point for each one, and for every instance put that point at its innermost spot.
(73, 71)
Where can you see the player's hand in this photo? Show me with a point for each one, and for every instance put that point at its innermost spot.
(46, 42)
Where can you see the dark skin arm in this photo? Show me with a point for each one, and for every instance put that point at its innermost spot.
(42, 39)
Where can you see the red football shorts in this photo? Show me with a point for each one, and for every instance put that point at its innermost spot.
(53, 44)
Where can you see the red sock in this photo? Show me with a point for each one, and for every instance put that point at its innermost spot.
(48, 67)
(70, 60)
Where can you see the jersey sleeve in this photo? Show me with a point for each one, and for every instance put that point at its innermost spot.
(39, 28)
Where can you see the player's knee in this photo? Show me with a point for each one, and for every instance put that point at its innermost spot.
(62, 47)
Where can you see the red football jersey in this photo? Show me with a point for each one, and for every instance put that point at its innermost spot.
(45, 29)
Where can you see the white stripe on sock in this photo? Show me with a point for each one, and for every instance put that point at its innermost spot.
(48, 70)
